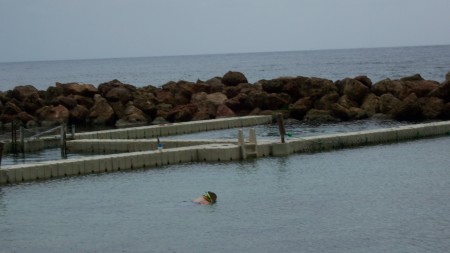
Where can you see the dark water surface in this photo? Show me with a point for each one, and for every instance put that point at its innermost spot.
(384, 198)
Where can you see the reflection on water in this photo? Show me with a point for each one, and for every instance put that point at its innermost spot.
(383, 198)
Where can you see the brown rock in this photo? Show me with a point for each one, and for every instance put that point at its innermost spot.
(353, 89)
(299, 109)
(315, 115)
(315, 87)
(22, 92)
(101, 113)
(223, 111)
(371, 104)
(217, 98)
(233, 78)
(32, 103)
(388, 102)
(432, 107)
(119, 94)
(442, 91)
(364, 80)
(182, 113)
(53, 115)
(78, 114)
(408, 109)
(413, 78)
(346, 102)
(84, 101)
(326, 101)
(68, 102)
(133, 116)
(145, 103)
(388, 86)
(87, 90)
(420, 88)
(104, 88)
(240, 104)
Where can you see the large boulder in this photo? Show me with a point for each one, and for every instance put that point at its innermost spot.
(315, 115)
(409, 109)
(371, 104)
(78, 114)
(388, 102)
(432, 107)
(223, 111)
(146, 103)
(53, 115)
(326, 101)
(388, 86)
(299, 109)
(233, 78)
(315, 87)
(87, 90)
(353, 89)
(240, 103)
(133, 116)
(216, 98)
(182, 113)
(442, 91)
(421, 88)
(119, 94)
(23, 91)
(101, 112)
(104, 88)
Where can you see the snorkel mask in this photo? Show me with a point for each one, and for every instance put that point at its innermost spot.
(207, 197)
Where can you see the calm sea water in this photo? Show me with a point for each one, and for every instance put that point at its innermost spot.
(385, 198)
(432, 62)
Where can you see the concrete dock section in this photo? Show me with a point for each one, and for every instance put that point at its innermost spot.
(137, 148)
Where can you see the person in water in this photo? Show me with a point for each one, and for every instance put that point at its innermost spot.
(208, 198)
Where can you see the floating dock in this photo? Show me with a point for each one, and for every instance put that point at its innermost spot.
(137, 148)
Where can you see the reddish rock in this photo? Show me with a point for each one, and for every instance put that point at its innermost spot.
(53, 115)
(84, 101)
(145, 103)
(68, 102)
(233, 78)
(87, 90)
(217, 98)
(240, 103)
(22, 92)
(78, 114)
(215, 85)
(11, 108)
(119, 94)
(104, 88)
(101, 113)
(25, 117)
(223, 112)
(133, 116)
(182, 113)
(32, 103)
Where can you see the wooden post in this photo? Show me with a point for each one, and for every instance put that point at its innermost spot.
(281, 126)
(63, 140)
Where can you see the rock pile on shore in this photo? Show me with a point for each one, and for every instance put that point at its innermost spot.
(302, 98)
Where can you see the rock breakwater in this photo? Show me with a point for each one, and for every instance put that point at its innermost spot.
(303, 98)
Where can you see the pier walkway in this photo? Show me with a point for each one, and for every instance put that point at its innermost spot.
(137, 148)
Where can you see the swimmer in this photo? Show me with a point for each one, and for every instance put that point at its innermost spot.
(208, 198)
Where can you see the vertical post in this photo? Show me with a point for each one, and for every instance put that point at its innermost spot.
(22, 139)
(252, 135)
(1, 152)
(281, 126)
(13, 137)
(73, 131)
(63, 140)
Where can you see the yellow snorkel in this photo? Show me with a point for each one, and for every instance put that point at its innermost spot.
(208, 197)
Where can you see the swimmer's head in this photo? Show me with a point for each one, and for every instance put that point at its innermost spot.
(211, 197)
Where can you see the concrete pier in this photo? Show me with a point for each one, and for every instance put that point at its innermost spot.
(121, 154)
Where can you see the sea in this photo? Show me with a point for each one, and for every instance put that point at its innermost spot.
(383, 198)
(432, 62)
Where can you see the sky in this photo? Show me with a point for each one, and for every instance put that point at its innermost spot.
(33, 30)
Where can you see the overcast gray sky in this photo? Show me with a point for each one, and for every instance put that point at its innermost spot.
(85, 29)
